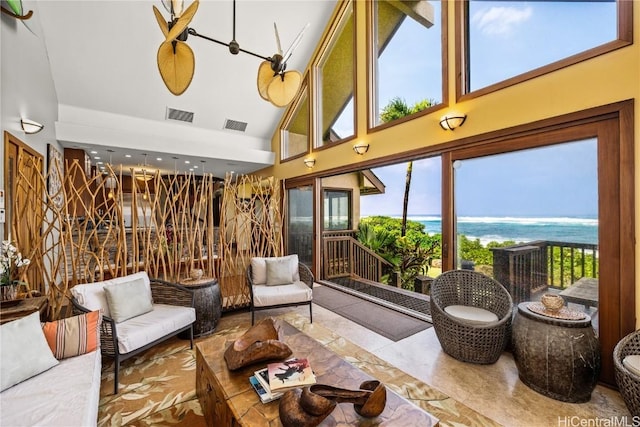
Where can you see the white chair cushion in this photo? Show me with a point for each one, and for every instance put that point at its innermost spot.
(471, 315)
(92, 296)
(259, 268)
(264, 296)
(632, 363)
(24, 351)
(146, 328)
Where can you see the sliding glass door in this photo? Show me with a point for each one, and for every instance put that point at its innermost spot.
(300, 223)
(529, 218)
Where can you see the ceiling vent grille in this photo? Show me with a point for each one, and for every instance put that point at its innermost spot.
(179, 115)
(235, 125)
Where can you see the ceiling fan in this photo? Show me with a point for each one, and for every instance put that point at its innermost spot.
(176, 60)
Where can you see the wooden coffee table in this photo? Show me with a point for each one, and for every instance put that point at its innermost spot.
(227, 398)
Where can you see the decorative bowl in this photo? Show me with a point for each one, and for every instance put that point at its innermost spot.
(552, 302)
(196, 273)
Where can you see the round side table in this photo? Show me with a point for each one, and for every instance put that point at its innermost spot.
(207, 302)
(557, 357)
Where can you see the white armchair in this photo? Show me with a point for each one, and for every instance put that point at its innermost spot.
(279, 282)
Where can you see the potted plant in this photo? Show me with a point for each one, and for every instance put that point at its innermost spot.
(11, 261)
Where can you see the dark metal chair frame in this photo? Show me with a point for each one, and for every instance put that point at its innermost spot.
(163, 293)
(482, 344)
(306, 276)
(628, 382)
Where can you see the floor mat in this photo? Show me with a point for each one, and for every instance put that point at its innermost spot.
(384, 321)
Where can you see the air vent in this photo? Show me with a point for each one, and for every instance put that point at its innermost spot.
(235, 125)
(179, 115)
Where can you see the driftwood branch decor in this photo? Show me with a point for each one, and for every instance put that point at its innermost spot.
(114, 224)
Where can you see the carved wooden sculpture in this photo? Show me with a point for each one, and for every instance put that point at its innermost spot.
(309, 406)
(261, 342)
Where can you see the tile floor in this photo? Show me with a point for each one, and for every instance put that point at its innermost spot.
(492, 390)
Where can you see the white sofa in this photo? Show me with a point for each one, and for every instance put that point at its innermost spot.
(138, 313)
(65, 395)
(50, 373)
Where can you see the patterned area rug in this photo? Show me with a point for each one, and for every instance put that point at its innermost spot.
(158, 387)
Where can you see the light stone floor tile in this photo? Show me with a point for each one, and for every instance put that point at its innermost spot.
(492, 390)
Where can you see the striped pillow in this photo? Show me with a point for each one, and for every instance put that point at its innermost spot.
(73, 336)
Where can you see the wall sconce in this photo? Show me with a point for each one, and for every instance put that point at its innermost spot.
(452, 121)
(309, 162)
(361, 148)
(30, 127)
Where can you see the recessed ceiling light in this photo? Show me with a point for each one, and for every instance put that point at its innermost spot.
(187, 162)
(191, 170)
(159, 159)
(195, 166)
(98, 163)
(128, 156)
(97, 157)
(94, 152)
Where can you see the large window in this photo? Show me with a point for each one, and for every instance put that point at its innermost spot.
(505, 39)
(295, 135)
(337, 210)
(407, 57)
(336, 77)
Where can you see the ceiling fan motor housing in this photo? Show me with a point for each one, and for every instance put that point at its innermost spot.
(276, 63)
(234, 47)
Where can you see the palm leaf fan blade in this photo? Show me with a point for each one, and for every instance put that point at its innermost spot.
(163, 24)
(283, 88)
(265, 75)
(176, 68)
(182, 22)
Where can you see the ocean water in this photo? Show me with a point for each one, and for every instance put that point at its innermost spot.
(519, 229)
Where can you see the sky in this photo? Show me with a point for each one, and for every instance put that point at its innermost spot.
(507, 38)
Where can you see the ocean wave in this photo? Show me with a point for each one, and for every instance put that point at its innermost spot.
(593, 222)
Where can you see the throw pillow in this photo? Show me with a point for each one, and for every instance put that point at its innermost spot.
(25, 352)
(128, 299)
(278, 272)
(73, 336)
(259, 268)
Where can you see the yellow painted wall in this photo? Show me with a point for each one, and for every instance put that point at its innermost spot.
(606, 79)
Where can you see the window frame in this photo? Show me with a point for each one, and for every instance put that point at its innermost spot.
(349, 194)
(625, 38)
(291, 115)
(372, 70)
(347, 7)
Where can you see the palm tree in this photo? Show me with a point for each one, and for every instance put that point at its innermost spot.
(396, 109)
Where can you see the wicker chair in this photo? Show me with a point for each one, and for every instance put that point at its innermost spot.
(306, 277)
(162, 293)
(628, 382)
(467, 341)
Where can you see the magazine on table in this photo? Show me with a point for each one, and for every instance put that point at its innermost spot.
(290, 373)
(265, 396)
(262, 376)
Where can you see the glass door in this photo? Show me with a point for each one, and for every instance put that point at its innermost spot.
(529, 219)
(300, 223)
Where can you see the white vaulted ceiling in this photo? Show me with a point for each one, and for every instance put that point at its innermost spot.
(111, 97)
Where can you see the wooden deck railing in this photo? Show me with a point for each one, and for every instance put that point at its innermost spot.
(344, 256)
(529, 269)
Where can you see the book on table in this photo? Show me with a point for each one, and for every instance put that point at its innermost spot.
(290, 374)
(262, 376)
(265, 396)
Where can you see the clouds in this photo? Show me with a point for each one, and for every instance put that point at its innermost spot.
(500, 20)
